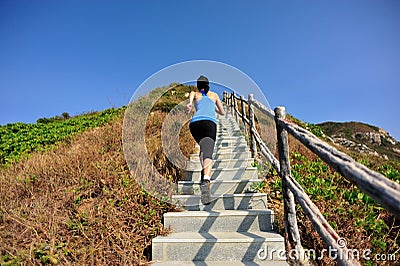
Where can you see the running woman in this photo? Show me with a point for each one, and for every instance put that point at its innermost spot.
(203, 127)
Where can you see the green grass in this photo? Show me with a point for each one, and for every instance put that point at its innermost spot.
(19, 140)
(118, 201)
(354, 215)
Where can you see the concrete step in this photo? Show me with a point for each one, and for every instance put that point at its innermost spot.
(216, 246)
(220, 221)
(225, 155)
(227, 137)
(228, 142)
(217, 186)
(232, 133)
(227, 128)
(223, 174)
(242, 201)
(222, 143)
(226, 123)
(221, 163)
(234, 151)
(228, 148)
(235, 226)
(222, 263)
(233, 138)
(226, 119)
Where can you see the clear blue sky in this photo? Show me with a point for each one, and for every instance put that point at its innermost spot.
(324, 60)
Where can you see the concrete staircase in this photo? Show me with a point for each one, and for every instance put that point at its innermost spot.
(236, 227)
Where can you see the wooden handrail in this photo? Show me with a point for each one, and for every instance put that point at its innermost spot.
(375, 185)
(290, 221)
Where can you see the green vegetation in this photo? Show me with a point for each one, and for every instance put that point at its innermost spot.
(313, 128)
(71, 198)
(77, 203)
(19, 139)
(354, 215)
(346, 129)
(175, 94)
(258, 186)
(260, 167)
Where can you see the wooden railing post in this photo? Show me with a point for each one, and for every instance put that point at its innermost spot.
(231, 103)
(253, 144)
(226, 100)
(292, 235)
(235, 109)
(226, 97)
(243, 115)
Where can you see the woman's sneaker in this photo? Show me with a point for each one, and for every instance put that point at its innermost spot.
(205, 192)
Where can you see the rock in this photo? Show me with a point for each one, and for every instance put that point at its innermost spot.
(371, 137)
(362, 138)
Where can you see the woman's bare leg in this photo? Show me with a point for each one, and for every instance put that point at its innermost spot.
(207, 165)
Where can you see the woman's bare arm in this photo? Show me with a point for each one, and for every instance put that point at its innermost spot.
(190, 104)
(220, 109)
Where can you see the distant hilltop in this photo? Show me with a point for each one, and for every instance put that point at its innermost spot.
(362, 138)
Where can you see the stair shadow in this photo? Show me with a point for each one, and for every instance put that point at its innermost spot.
(254, 246)
(251, 253)
(229, 204)
(239, 174)
(206, 248)
(216, 175)
(241, 163)
(244, 203)
(240, 188)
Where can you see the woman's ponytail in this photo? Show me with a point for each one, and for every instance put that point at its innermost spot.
(203, 84)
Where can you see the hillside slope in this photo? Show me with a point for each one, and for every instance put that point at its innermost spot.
(363, 138)
(18, 140)
(77, 204)
(355, 216)
(75, 201)
(69, 197)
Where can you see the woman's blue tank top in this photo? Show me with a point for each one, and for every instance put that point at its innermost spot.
(205, 109)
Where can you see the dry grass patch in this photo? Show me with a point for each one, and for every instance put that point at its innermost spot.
(77, 204)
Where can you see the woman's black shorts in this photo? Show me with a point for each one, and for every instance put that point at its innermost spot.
(204, 132)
